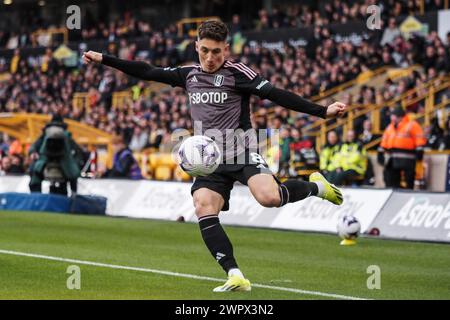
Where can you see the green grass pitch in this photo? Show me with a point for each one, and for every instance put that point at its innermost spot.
(313, 264)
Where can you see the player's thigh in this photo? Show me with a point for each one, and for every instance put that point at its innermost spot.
(264, 188)
(207, 202)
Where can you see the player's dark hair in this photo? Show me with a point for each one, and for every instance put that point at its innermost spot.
(214, 30)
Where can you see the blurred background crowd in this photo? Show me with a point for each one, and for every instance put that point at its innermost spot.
(45, 84)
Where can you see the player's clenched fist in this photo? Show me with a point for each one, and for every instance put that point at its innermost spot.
(92, 56)
(336, 109)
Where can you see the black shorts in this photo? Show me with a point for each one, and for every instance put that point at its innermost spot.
(223, 179)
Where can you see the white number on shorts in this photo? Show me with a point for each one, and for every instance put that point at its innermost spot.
(257, 158)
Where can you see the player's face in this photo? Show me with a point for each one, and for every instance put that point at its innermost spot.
(211, 54)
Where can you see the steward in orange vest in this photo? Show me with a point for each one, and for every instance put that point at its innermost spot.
(403, 142)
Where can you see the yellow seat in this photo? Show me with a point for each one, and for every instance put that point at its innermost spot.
(162, 159)
(168, 160)
(180, 175)
(163, 172)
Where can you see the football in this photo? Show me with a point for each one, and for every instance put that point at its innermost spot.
(348, 227)
(199, 156)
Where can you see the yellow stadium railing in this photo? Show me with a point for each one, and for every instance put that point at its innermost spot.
(120, 99)
(80, 101)
(365, 77)
(425, 93)
(51, 32)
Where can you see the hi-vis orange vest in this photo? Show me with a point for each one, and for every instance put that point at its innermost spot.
(408, 136)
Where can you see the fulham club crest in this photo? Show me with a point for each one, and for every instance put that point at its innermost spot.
(218, 80)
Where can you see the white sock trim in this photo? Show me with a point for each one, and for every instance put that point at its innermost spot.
(235, 272)
(321, 188)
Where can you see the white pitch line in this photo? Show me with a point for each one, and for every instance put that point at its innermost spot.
(175, 274)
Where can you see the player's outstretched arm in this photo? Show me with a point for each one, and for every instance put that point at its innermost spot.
(92, 56)
(292, 101)
(138, 69)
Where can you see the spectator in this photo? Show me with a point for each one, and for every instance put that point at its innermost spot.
(435, 134)
(447, 135)
(5, 165)
(124, 163)
(430, 58)
(305, 156)
(390, 33)
(263, 22)
(156, 136)
(17, 166)
(328, 155)
(139, 139)
(351, 161)
(4, 144)
(235, 25)
(403, 142)
(442, 63)
(367, 136)
(15, 147)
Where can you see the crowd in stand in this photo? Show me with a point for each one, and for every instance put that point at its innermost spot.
(44, 85)
(127, 26)
(285, 15)
(337, 11)
(11, 156)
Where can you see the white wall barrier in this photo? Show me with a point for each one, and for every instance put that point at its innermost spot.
(312, 214)
(170, 200)
(142, 199)
(400, 215)
(415, 216)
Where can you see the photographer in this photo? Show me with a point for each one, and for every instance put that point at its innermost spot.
(56, 157)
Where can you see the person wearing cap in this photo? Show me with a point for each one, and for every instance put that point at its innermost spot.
(401, 146)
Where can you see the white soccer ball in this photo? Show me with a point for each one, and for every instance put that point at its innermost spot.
(348, 227)
(199, 156)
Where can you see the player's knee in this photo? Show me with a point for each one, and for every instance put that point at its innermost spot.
(268, 199)
(204, 207)
(207, 202)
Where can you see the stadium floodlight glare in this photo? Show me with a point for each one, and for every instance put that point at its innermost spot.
(7, 2)
(41, 3)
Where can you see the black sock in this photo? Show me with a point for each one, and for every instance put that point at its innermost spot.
(295, 190)
(217, 241)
